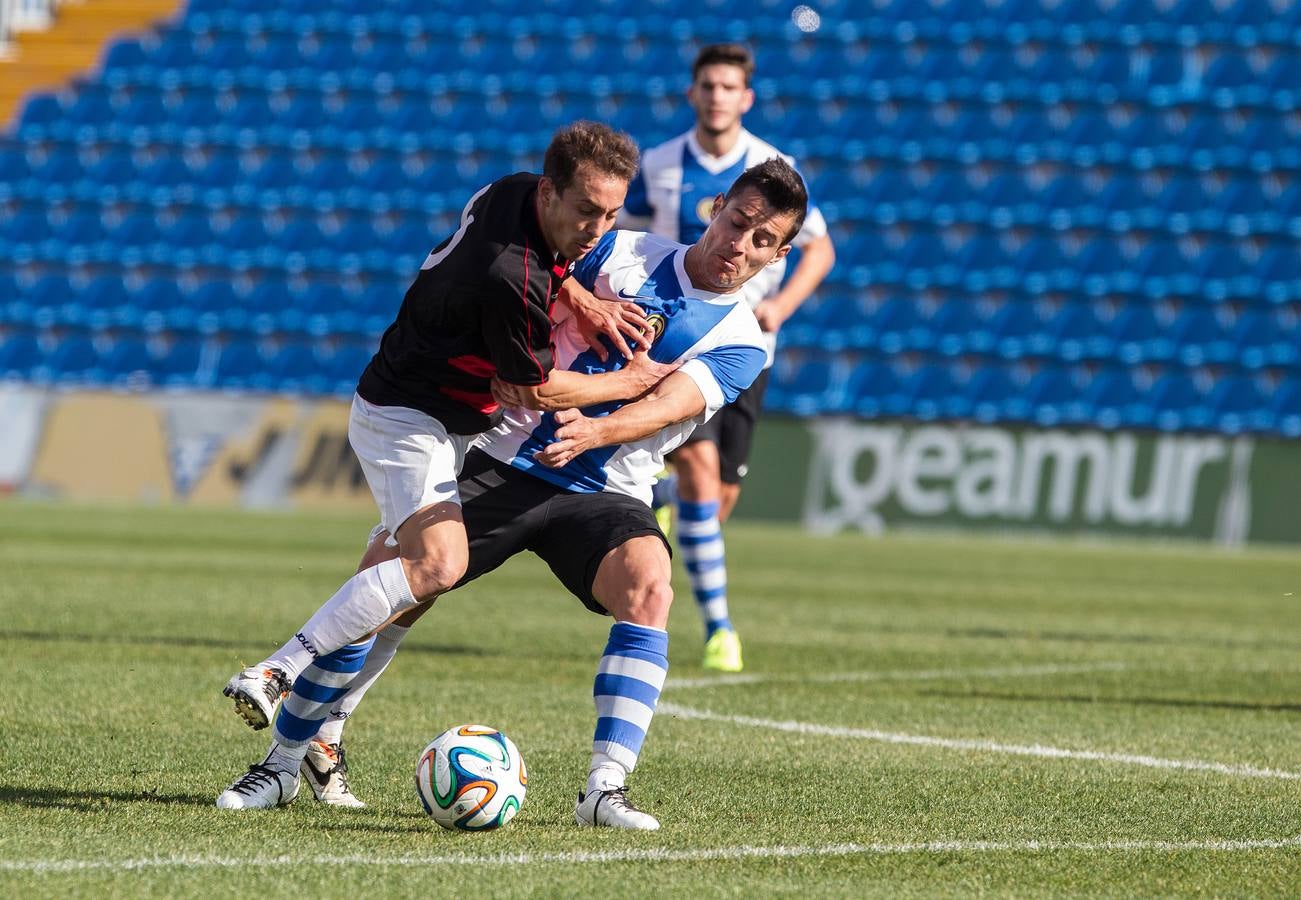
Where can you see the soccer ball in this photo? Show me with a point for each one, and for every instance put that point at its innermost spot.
(471, 778)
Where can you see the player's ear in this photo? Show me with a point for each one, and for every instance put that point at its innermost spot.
(747, 100)
(781, 254)
(546, 190)
(719, 203)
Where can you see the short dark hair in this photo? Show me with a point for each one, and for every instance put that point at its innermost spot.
(724, 55)
(608, 151)
(780, 186)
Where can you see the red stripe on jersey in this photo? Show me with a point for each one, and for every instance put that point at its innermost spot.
(473, 365)
(524, 298)
(483, 401)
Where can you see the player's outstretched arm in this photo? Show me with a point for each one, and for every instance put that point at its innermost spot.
(676, 399)
(566, 390)
(622, 321)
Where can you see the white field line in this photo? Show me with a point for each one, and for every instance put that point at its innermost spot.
(57, 866)
(1040, 750)
(899, 675)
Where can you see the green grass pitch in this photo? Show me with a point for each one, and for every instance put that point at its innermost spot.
(920, 716)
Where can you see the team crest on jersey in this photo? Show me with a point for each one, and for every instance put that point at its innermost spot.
(704, 209)
(655, 323)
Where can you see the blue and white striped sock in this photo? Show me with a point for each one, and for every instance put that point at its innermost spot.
(700, 539)
(308, 704)
(627, 689)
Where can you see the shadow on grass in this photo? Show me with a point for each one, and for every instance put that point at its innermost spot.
(1242, 705)
(63, 637)
(91, 801)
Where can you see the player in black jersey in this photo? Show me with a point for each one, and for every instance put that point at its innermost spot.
(479, 309)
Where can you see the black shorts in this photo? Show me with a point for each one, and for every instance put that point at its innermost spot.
(732, 429)
(508, 511)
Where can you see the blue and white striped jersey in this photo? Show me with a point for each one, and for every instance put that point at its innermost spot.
(675, 191)
(715, 336)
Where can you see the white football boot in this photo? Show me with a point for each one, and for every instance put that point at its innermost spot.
(261, 787)
(256, 691)
(325, 769)
(612, 809)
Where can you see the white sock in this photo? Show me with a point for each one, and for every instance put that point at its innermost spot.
(605, 774)
(365, 602)
(377, 660)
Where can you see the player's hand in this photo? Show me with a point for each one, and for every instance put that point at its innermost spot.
(575, 433)
(506, 394)
(644, 373)
(622, 321)
(771, 316)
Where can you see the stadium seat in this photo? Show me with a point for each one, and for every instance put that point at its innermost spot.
(933, 393)
(1111, 400)
(1177, 404)
(1200, 338)
(1237, 405)
(20, 353)
(1077, 334)
(1049, 396)
(872, 391)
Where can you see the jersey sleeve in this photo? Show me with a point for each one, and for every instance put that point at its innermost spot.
(724, 372)
(590, 265)
(515, 327)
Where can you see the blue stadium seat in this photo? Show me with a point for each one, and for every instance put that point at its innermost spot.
(129, 364)
(1139, 337)
(1200, 338)
(181, 365)
(994, 396)
(1261, 340)
(1177, 404)
(1279, 271)
(1049, 396)
(20, 353)
(1237, 405)
(809, 387)
(75, 360)
(873, 390)
(1285, 409)
(1077, 334)
(1112, 400)
(933, 393)
(239, 362)
(1018, 331)
(957, 328)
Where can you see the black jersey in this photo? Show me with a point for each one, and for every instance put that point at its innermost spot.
(481, 306)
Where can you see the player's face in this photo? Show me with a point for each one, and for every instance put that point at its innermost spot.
(744, 235)
(575, 219)
(719, 97)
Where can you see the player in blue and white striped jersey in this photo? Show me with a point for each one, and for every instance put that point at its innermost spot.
(573, 486)
(673, 194)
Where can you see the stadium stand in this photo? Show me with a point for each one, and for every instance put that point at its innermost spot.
(1060, 213)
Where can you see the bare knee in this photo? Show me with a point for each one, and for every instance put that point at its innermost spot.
(644, 603)
(429, 576)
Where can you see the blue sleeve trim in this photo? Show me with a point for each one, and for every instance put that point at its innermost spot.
(735, 367)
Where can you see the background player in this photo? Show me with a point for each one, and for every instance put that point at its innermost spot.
(675, 189)
(533, 485)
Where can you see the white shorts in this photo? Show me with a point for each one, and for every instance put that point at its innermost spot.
(409, 459)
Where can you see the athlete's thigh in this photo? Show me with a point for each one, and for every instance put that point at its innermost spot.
(632, 581)
(502, 510)
(581, 529)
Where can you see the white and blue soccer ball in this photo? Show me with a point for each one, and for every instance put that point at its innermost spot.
(471, 778)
